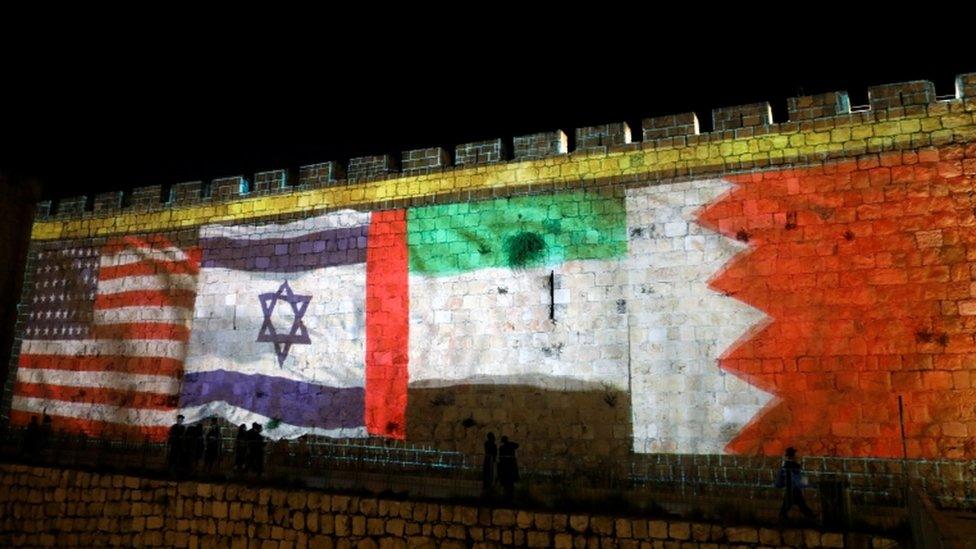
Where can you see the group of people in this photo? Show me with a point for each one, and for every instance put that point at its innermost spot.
(500, 464)
(189, 445)
(249, 449)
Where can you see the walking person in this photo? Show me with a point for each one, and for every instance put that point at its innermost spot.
(508, 473)
(790, 478)
(211, 455)
(488, 468)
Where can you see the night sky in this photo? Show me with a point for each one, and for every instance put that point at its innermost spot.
(83, 126)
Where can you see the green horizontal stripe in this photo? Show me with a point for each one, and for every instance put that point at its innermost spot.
(509, 232)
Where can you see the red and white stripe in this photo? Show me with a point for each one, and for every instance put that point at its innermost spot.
(125, 380)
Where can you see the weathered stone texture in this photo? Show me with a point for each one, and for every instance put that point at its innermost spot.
(45, 507)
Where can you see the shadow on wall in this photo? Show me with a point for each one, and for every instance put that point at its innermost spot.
(587, 426)
(17, 211)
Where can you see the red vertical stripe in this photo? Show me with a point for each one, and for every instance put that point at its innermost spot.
(387, 333)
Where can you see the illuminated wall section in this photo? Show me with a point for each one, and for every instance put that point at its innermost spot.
(588, 305)
(679, 326)
(518, 322)
(868, 272)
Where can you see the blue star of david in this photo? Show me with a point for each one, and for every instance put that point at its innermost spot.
(297, 334)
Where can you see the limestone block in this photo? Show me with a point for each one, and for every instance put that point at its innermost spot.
(538, 539)
(467, 515)
(769, 537)
(679, 530)
(832, 539)
(297, 500)
(395, 527)
(456, 531)
(341, 526)
(368, 507)
(602, 525)
(700, 532)
(579, 523)
(503, 517)
(742, 534)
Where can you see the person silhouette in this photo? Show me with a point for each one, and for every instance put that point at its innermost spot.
(32, 439)
(175, 444)
(47, 428)
(240, 448)
(508, 473)
(211, 453)
(488, 468)
(193, 446)
(791, 479)
(255, 449)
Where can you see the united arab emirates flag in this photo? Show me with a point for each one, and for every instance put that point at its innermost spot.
(507, 291)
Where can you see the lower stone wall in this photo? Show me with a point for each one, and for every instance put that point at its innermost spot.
(52, 507)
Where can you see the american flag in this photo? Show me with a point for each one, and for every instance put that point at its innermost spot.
(106, 336)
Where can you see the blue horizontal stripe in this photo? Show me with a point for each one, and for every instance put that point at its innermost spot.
(293, 402)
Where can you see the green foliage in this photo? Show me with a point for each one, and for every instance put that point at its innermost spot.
(273, 423)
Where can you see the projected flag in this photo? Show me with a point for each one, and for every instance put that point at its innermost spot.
(106, 335)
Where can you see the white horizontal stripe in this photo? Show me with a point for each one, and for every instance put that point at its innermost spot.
(109, 380)
(335, 220)
(238, 416)
(225, 337)
(160, 348)
(463, 327)
(135, 255)
(161, 282)
(95, 412)
(122, 315)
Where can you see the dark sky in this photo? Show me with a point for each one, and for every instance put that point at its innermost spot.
(82, 125)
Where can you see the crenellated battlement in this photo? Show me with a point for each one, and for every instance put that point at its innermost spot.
(813, 114)
(699, 284)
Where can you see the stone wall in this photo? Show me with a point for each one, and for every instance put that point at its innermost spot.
(49, 507)
(806, 283)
